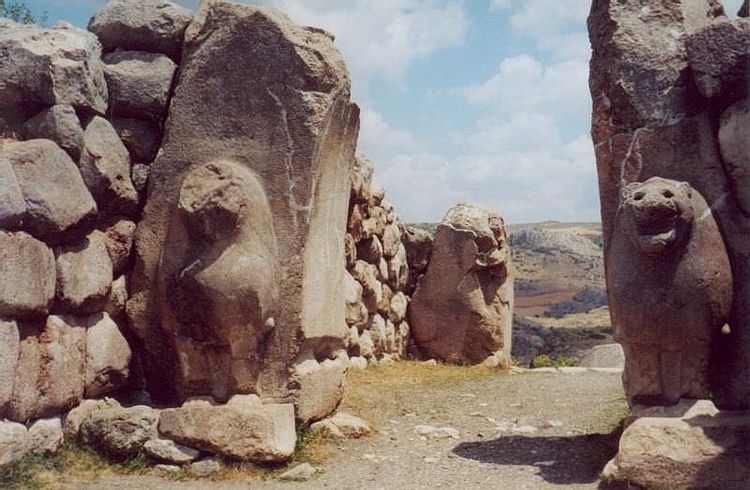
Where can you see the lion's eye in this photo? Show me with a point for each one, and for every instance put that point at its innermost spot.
(638, 196)
(667, 193)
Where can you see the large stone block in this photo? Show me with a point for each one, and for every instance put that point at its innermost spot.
(49, 371)
(321, 388)
(107, 357)
(45, 67)
(241, 429)
(118, 432)
(462, 310)
(84, 275)
(689, 445)
(105, 167)
(292, 128)
(143, 25)
(60, 124)
(27, 277)
(139, 84)
(55, 196)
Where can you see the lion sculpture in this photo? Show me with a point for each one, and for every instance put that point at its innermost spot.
(670, 289)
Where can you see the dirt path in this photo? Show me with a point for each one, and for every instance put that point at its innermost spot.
(513, 431)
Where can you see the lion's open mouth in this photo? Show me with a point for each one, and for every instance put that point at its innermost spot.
(656, 235)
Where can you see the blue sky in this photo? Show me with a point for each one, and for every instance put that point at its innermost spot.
(484, 101)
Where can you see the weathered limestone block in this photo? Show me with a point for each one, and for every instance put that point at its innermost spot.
(220, 279)
(45, 436)
(144, 25)
(49, 370)
(120, 433)
(639, 78)
(418, 244)
(141, 138)
(689, 445)
(118, 297)
(167, 451)
(391, 240)
(56, 199)
(84, 275)
(372, 291)
(397, 310)
(734, 131)
(463, 306)
(27, 277)
(107, 357)
(370, 250)
(247, 431)
(105, 167)
(78, 415)
(350, 250)
(670, 286)
(138, 83)
(292, 126)
(46, 67)
(60, 124)
(321, 387)
(14, 442)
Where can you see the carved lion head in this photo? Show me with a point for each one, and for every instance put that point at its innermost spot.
(660, 212)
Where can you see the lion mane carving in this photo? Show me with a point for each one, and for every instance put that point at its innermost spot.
(670, 289)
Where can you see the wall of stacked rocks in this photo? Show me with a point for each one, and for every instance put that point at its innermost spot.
(379, 282)
(108, 190)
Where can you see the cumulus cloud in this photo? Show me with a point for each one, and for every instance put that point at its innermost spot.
(522, 84)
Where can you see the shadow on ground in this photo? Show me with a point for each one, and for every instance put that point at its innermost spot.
(559, 460)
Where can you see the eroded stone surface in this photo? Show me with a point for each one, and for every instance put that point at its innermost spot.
(258, 433)
(462, 308)
(292, 114)
(27, 277)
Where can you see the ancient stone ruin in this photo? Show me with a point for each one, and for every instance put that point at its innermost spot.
(669, 84)
(462, 309)
(185, 223)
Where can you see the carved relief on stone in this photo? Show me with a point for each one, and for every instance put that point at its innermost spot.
(670, 288)
(219, 279)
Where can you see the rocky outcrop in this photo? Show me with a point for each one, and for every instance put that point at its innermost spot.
(462, 309)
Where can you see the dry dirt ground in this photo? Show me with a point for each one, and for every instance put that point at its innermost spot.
(532, 430)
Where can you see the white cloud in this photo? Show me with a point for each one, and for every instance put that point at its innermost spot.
(379, 140)
(523, 85)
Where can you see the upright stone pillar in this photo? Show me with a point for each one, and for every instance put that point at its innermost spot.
(262, 108)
